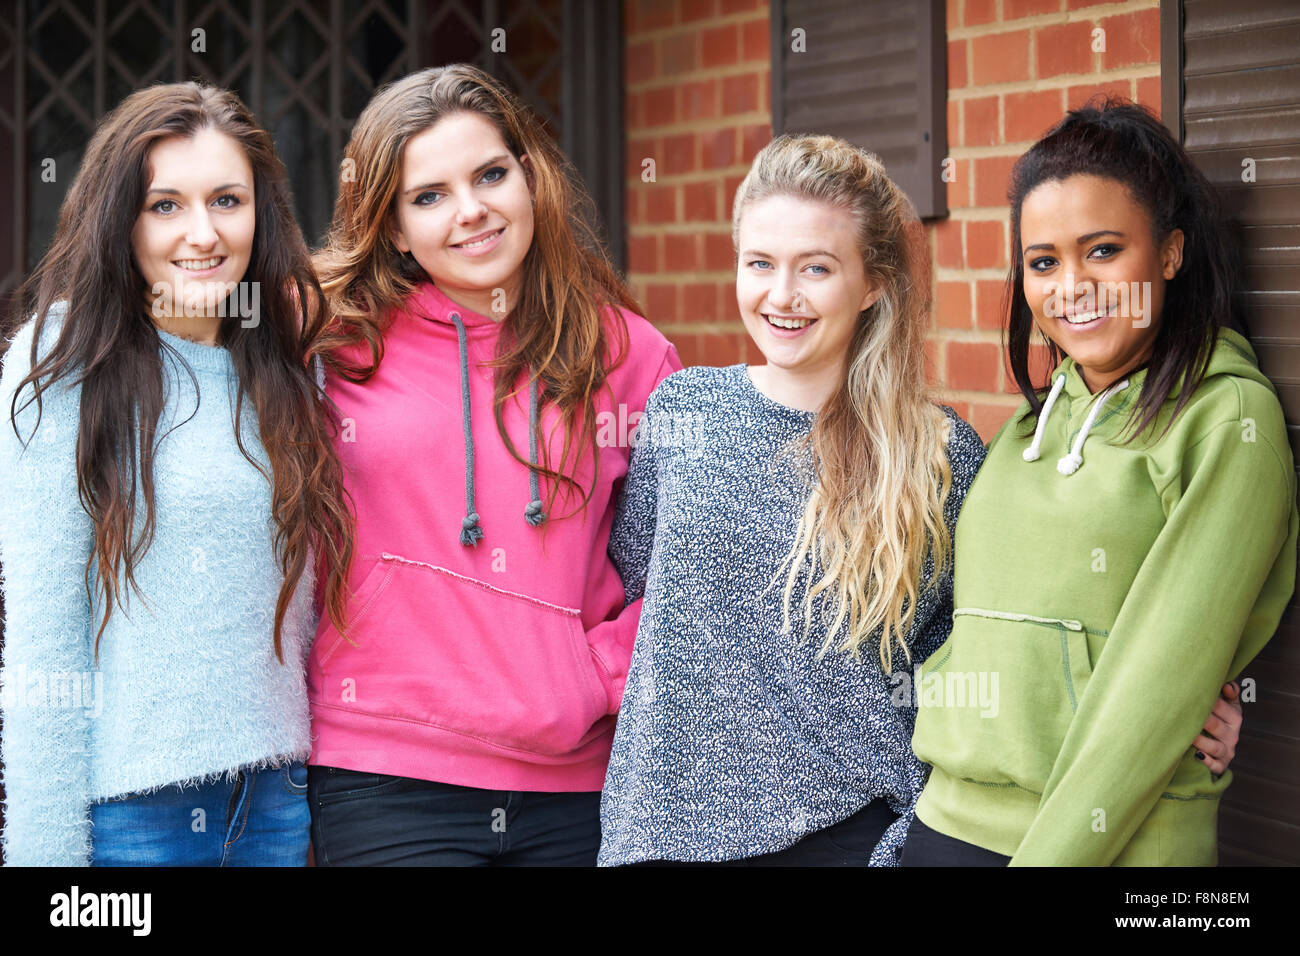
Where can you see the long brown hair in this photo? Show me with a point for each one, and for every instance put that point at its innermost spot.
(554, 331)
(880, 442)
(110, 346)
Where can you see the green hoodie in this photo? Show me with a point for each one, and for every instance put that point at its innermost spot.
(1103, 593)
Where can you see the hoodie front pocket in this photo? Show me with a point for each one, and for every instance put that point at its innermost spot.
(466, 656)
(1037, 668)
(372, 586)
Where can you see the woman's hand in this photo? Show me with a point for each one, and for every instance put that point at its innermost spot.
(1217, 744)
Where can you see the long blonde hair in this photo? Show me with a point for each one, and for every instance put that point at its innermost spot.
(880, 441)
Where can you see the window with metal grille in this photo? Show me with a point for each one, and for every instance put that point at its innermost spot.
(306, 69)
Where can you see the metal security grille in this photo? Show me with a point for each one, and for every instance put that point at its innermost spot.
(306, 69)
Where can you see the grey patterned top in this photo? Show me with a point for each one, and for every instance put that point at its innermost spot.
(734, 739)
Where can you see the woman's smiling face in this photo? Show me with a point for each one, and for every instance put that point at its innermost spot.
(1094, 273)
(800, 283)
(465, 212)
(194, 237)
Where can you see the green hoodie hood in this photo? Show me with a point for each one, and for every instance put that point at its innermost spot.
(1110, 411)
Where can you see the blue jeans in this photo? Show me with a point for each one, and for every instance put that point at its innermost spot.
(259, 819)
(374, 819)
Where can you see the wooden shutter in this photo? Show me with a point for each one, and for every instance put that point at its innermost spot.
(874, 72)
(1231, 88)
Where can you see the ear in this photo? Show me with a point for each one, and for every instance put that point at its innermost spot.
(398, 237)
(869, 299)
(530, 175)
(1171, 254)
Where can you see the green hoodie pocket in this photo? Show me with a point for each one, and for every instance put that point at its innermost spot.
(1030, 671)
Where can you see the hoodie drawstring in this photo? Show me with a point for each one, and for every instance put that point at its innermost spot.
(1071, 462)
(471, 532)
(1032, 453)
(533, 514)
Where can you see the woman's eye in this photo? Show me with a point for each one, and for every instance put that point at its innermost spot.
(758, 264)
(427, 198)
(1042, 263)
(161, 203)
(494, 175)
(224, 204)
(819, 270)
(1106, 250)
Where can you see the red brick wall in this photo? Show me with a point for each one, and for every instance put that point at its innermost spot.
(698, 104)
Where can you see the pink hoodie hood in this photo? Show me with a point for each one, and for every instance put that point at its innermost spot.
(489, 643)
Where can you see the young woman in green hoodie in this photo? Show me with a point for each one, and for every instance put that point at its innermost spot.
(1130, 542)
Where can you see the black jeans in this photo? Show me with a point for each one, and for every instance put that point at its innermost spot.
(926, 847)
(847, 843)
(373, 819)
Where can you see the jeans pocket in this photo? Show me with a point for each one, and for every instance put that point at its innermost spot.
(293, 777)
(337, 785)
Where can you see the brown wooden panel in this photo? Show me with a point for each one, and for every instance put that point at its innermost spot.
(1275, 712)
(1263, 797)
(1284, 648)
(1262, 204)
(1265, 755)
(1262, 839)
(1273, 165)
(1239, 89)
(1274, 323)
(1218, 17)
(1218, 52)
(1261, 127)
(874, 73)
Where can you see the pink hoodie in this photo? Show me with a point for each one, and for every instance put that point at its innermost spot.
(500, 665)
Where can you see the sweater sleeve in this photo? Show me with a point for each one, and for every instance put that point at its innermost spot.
(1207, 596)
(632, 536)
(45, 539)
(630, 540)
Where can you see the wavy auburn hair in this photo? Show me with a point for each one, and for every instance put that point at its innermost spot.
(880, 441)
(109, 345)
(554, 331)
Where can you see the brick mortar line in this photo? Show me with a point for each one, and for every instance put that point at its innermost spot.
(704, 227)
(956, 274)
(970, 213)
(701, 125)
(703, 73)
(1054, 83)
(993, 151)
(722, 20)
(681, 179)
(1086, 15)
(701, 328)
(968, 336)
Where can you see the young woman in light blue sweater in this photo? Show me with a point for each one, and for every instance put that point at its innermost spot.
(169, 492)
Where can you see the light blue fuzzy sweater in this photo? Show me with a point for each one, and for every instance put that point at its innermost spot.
(187, 687)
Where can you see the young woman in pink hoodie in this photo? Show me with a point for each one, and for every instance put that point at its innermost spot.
(488, 368)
